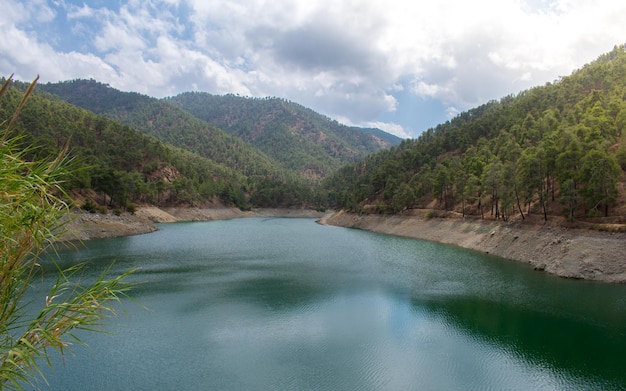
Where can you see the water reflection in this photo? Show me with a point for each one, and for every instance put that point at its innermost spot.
(557, 341)
(287, 304)
(274, 293)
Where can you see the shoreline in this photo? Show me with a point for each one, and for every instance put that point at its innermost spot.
(565, 252)
(87, 226)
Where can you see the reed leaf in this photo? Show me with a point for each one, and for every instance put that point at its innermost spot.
(32, 211)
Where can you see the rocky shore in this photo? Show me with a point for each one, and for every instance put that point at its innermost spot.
(571, 253)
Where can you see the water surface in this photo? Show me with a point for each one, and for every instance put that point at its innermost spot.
(266, 304)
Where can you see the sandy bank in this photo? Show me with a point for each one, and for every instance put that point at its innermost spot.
(86, 226)
(572, 253)
(170, 215)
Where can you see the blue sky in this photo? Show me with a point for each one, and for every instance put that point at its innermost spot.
(397, 65)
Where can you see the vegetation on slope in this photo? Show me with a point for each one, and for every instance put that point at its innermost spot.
(301, 139)
(120, 163)
(280, 139)
(205, 162)
(555, 149)
(168, 123)
(268, 182)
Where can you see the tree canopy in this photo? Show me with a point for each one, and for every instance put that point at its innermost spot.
(558, 148)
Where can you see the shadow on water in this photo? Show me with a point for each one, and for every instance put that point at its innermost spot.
(567, 344)
(275, 293)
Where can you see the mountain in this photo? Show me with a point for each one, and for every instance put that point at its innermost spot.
(553, 150)
(123, 165)
(300, 138)
(169, 124)
(275, 153)
(267, 182)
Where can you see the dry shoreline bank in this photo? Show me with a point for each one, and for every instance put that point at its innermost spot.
(87, 226)
(571, 253)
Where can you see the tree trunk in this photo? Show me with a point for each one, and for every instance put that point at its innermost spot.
(463, 207)
(519, 206)
(497, 208)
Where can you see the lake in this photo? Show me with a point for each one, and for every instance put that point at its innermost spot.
(268, 304)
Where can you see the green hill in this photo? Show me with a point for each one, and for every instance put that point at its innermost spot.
(267, 182)
(306, 152)
(558, 149)
(120, 163)
(299, 138)
(169, 124)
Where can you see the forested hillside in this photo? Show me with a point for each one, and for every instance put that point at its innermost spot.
(558, 149)
(121, 164)
(268, 183)
(300, 138)
(168, 123)
(553, 150)
(282, 152)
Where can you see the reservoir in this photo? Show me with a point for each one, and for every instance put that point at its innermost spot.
(287, 304)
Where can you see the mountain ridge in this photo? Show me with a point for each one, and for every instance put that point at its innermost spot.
(174, 124)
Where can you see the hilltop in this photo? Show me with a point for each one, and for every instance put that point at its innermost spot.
(113, 165)
(273, 137)
(298, 137)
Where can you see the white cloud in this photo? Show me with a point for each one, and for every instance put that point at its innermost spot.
(424, 89)
(84, 11)
(452, 112)
(43, 13)
(344, 58)
(389, 127)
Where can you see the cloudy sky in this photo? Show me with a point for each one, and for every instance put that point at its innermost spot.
(400, 65)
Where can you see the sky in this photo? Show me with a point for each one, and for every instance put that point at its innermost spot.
(402, 66)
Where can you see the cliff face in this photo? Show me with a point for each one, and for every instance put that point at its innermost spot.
(571, 253)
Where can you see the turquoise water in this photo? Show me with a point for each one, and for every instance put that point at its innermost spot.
(268, 304)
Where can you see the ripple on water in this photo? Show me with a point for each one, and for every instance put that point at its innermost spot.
(290, 304)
